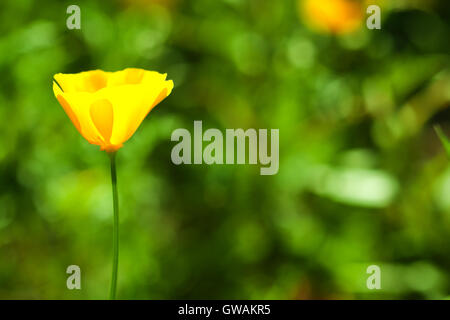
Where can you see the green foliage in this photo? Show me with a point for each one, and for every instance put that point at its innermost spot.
(362, 179)
(444, 139)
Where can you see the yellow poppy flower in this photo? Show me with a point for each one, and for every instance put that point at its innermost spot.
(332, 16)
(108, 107)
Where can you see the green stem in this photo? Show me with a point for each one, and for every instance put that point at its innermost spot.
(112, 292)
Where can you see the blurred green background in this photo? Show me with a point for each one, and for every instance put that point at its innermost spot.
(363, 177)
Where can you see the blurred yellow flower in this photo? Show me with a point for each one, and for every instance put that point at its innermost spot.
(332, 16)
(108, 107)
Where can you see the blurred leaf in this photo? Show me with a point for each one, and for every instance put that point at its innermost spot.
(445, 141)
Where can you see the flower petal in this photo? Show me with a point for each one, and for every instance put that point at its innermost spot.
(131, 104)
(89, 81)
(79, 105)
(108, 107)
(68, 109)
(102, 116)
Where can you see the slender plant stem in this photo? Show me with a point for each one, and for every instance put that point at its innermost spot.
(112, 292)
